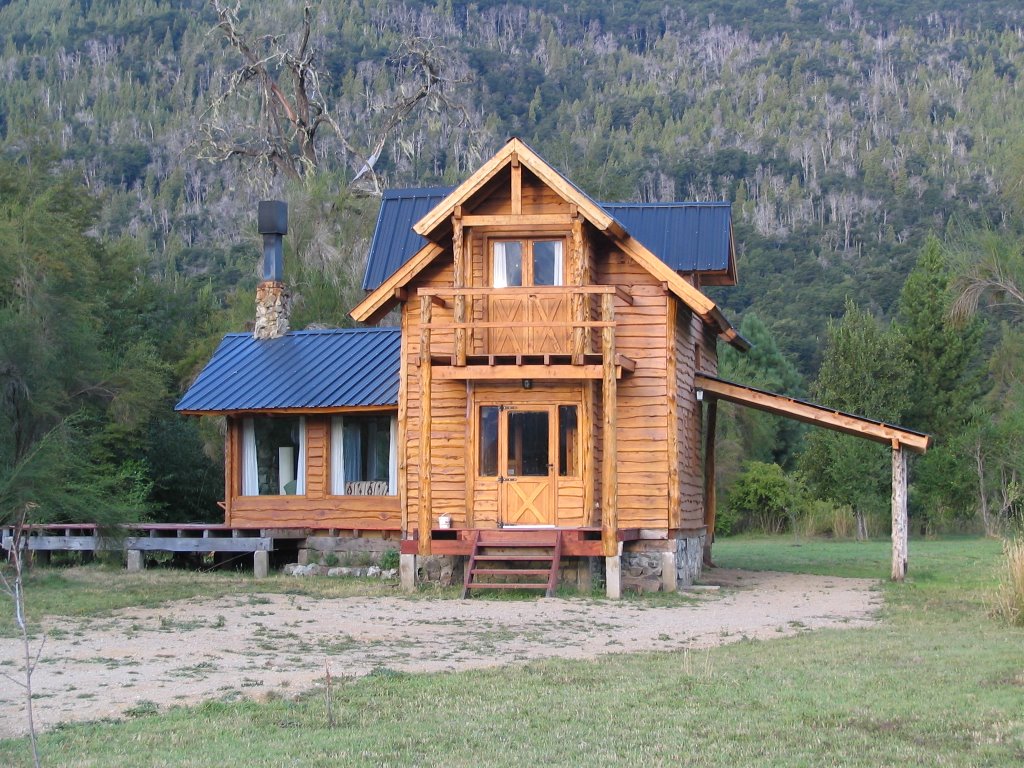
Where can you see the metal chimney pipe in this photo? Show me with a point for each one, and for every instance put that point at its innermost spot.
(273, 225)
(273, 301)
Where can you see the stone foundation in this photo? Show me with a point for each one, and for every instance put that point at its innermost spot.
(662, 565)
(444, 570)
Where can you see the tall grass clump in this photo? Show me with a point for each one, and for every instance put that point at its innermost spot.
(1009, 600)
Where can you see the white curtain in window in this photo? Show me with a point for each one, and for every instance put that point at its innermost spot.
(300, 481)
(338, 456)
(558, 264)
(250, 469)
(500, 266)
(393, 459)
(354, 452)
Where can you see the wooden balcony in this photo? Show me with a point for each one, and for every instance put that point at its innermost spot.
(543, 332)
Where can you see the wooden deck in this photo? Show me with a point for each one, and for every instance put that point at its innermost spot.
(576, 542)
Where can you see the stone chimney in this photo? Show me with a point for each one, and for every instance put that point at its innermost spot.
(273, 301)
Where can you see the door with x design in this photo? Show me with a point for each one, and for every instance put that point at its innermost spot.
(527, 471)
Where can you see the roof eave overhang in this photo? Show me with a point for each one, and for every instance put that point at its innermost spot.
(380, 301)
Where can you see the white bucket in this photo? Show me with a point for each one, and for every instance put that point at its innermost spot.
(444, 521)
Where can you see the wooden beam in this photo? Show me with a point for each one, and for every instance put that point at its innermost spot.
(469, 455)
(578, 303)
(538, 372)
(438, 301)
(609, 453)
(810, 413)
(710, 491)
(517, 186)
(459, 252)
(589, 444)
(426, 495)
(900, 555)
(521, 219)
(533, 290)
(624, 296)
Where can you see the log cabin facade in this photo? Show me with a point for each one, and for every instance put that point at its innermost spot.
(547, 375)
(548, 362)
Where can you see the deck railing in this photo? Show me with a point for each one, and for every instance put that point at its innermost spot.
(517, 321)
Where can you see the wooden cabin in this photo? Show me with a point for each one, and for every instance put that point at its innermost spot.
(544, 390)
(548, 361)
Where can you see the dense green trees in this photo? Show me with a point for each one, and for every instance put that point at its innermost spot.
(125, 257)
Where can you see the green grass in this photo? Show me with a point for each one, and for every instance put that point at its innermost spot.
(936, 683)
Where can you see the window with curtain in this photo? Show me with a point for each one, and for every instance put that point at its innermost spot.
(274, 456)
(364, 450)
(527, 262)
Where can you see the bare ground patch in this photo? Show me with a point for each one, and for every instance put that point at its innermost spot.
(193, 650)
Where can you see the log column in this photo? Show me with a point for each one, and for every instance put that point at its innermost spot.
(578, 303)
(609, 475)
(900, 555)
(426, 374)
(459, 254)
(710, 494)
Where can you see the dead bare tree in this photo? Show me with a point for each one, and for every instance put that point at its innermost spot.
(12, 583)
(292, 108)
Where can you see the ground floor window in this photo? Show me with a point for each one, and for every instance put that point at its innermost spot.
(274, 456)
(364, 455)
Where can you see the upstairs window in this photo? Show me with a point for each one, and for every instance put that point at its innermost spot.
(527, 263)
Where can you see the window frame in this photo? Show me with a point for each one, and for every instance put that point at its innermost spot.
(527, 243)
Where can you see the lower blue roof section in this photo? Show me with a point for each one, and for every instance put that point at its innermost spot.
(337, 368)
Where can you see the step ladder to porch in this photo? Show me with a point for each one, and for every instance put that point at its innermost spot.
(514, 558)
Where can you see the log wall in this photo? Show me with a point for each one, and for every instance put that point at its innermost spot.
(642, 403)
(317, 508)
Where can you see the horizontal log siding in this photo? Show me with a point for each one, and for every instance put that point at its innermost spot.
(448, 408)
(690, 334)
(642, 413)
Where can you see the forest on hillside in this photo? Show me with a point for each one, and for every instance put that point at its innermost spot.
(872, 152)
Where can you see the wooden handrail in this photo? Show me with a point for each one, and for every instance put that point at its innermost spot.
(441, 325)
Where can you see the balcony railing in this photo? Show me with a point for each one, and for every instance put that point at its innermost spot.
(550, 321)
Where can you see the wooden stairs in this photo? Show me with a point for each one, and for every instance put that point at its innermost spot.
(514, 558)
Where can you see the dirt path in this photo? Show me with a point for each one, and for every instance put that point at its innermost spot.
(193, 650)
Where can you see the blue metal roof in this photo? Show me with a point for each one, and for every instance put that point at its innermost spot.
(394, 241)
(688, 237)
(336, 368)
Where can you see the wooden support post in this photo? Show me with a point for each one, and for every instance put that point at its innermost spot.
(900, 555)
(578, 303)
(613, 577)
(426, 373)
(587, 423)
(459, 252)
(710, 498)
(609, 457)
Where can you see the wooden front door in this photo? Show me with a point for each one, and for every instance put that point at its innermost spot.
(527, 465)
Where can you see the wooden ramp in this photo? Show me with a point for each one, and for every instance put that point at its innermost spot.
(514, 558)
